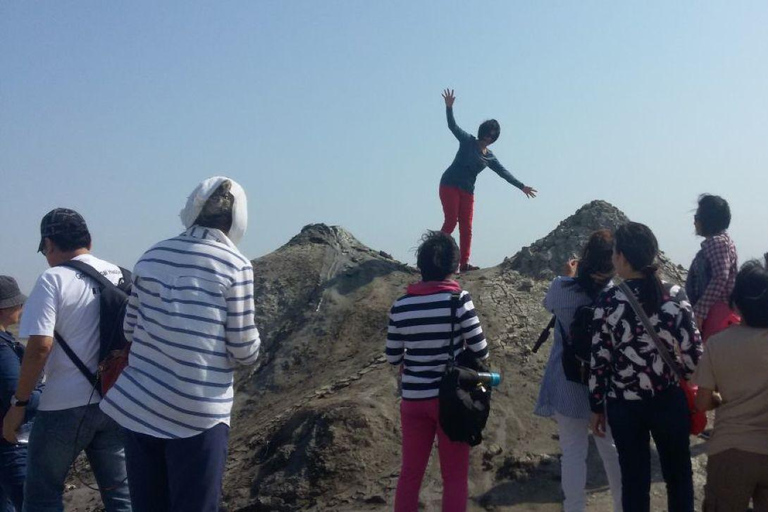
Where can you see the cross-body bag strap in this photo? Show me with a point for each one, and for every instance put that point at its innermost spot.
(103, 281)
(454, 307)
(663, 351)
(88, 374)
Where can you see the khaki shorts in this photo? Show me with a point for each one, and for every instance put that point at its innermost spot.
(733, 478)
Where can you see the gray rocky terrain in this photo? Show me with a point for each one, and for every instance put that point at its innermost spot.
(316, 422)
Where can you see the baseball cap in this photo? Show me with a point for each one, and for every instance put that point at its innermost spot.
(61, 221)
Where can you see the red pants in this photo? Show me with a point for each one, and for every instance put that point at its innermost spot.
(458, 206)
(420, 424)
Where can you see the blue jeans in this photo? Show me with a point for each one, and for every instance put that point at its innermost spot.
(13, 470)
(666, 418)
(57, 438)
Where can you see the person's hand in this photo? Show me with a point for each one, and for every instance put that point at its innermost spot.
(12, 421)
(597, 424)
(717, 399)
(530, 191)
(570, 267)
(449, 97)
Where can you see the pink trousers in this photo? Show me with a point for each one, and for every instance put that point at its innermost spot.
(420, 424)
(458, 207)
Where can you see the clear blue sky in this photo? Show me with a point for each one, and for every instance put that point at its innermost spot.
(331, 112)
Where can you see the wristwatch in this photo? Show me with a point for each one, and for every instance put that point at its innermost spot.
(15, 402)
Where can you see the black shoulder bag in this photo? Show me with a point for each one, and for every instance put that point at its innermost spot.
(464, 405)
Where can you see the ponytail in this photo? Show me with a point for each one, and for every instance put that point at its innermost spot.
(639, 246)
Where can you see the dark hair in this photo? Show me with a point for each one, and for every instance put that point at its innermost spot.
(67, 242)
(713, 214)
(637, 243)
(750, 294)
(438, 256)
(596, 259)
(489, 128)
(217, 211)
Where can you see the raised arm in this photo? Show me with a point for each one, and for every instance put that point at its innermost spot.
(460, 134)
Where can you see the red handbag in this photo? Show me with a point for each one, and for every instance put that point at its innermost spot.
(698, 418)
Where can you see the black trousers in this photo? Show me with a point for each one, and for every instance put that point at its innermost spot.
(176, 475)
(666, 418)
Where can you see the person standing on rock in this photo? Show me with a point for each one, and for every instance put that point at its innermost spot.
(190, 319)
(713, 270)
(418, 339)
(457, 185)
(566, 400)
(630, 379)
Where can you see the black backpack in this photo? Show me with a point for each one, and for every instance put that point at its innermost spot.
(464, 406)
(113, 301)
(577, 345)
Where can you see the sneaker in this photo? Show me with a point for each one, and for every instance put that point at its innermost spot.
(467, 268)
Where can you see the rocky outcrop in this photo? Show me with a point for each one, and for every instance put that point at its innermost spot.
(545, 258)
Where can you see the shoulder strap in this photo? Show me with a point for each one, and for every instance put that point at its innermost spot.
(454, 306)
(663, 352)
(544, 334)
(89, 271)
(88, 374)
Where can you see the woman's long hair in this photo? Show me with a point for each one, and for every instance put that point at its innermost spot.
(595, 265)
(637, 243)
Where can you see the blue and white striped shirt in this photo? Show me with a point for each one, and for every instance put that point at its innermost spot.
(418, 336)
(191, 320)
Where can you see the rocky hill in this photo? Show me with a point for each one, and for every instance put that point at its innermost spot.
(316, 422)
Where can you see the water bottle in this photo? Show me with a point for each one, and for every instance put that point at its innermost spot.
(469, 378)
(491, 379)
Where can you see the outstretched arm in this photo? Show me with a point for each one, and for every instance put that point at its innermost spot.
(457, 132)
(499, 169)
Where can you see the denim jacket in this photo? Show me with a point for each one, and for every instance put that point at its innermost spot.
(11, 354)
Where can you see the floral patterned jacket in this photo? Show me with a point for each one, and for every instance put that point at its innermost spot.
(625, 363)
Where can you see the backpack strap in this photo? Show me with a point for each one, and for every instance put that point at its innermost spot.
(103, 282)
(663, 351)
(454, 306)
(88, 374)
(89, 271)
(544, 336)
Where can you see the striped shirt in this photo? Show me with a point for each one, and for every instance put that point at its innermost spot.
(418, 337)
(191, 320)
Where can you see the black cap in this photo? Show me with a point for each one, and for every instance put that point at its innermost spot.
(10, 295)
(61, 221)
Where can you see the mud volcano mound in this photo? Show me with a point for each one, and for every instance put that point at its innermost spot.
(316, 422)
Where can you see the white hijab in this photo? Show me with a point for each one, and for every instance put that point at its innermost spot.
(200, 195)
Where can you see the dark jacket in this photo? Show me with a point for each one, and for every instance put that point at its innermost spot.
(11, 354)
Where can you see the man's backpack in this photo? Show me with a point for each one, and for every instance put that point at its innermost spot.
(464, 409)
(113, 347)
(577, 345)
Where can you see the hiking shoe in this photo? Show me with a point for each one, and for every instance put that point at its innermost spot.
(467, 267)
